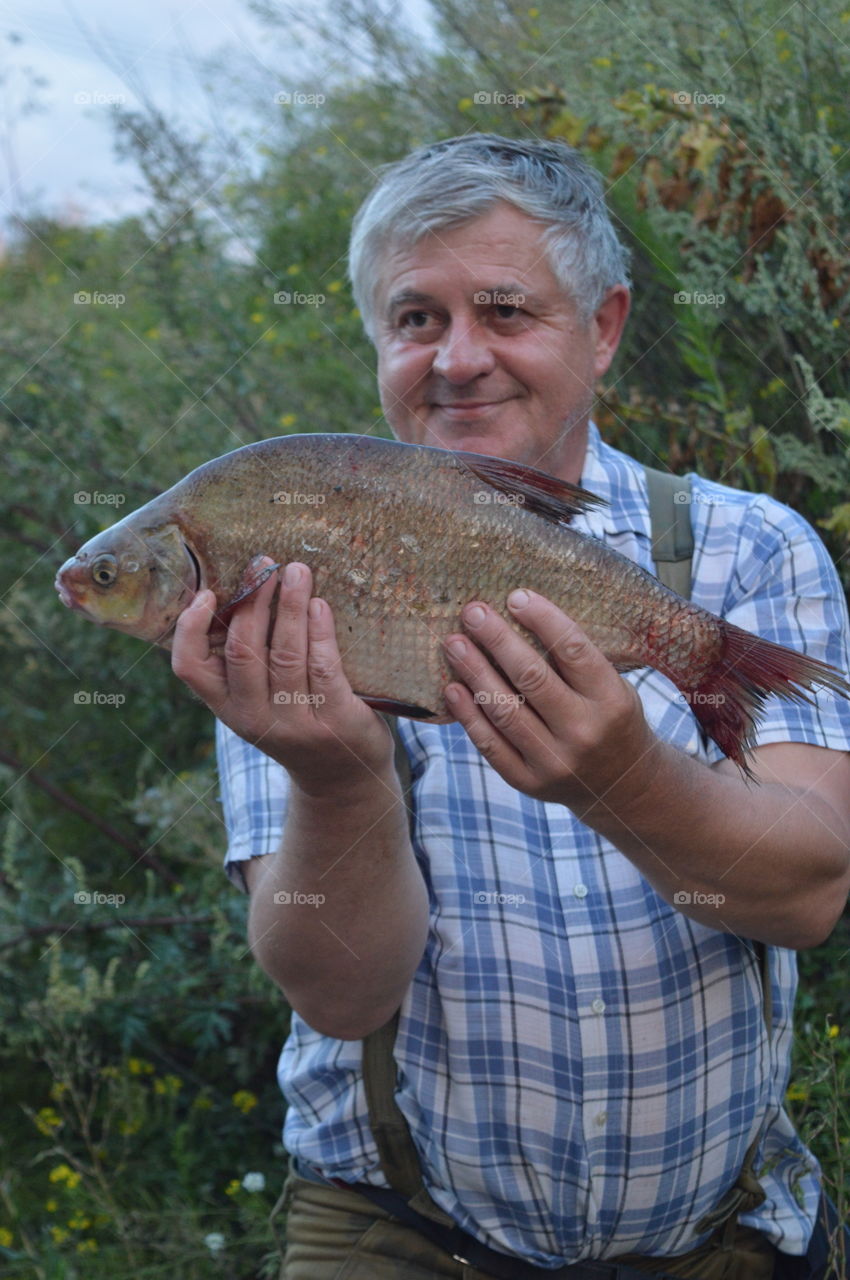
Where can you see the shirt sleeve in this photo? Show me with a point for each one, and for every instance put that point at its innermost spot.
(254, 794)
(785, 588)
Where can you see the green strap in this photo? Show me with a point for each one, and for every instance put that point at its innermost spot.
(672, 533)
(672, 553)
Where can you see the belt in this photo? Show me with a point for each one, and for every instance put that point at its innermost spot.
(465, 1248)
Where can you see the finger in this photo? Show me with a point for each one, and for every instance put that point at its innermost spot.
(191, 660)
(329, 686)
(584, 667)
(505, 707)
(288, 644)
(485, 737)
(528, 671)
(246, 646)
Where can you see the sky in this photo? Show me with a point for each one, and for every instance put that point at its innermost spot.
(59, 158)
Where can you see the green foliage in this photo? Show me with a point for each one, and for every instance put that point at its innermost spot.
(139, 1038)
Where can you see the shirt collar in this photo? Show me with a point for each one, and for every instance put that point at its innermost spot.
(621, 481)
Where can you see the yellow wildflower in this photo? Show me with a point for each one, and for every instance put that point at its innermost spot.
(833, 1032)
(232, 1187)
(64, 1173)
(59, 1234)
(46, 1121)
(6, 1238)
(244, 1100)
(87, 1246)
(140, 1067)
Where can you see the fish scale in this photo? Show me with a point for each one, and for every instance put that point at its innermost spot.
(399, 538)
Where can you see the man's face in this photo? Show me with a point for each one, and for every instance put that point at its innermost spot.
(460, 368)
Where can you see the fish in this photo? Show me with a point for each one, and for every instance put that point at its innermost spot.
(399, 537)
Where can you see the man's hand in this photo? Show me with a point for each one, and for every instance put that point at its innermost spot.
(282, 687)
(572, 732)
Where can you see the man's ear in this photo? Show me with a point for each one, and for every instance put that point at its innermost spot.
(609, 322)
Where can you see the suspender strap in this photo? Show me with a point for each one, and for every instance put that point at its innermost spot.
(672, 534)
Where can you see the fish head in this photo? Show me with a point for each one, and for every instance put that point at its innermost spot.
(133, 578)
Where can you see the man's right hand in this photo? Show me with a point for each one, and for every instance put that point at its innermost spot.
(281, 687)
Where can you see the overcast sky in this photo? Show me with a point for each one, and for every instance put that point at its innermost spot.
(60, 158)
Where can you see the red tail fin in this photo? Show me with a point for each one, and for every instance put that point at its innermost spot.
(729, 699)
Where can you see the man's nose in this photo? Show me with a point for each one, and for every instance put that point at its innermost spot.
(463, 353)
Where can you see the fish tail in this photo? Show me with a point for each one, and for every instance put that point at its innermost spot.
(732, 694)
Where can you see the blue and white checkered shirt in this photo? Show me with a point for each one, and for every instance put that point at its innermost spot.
(582, 1066)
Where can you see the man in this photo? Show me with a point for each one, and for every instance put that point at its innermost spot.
(569, 933)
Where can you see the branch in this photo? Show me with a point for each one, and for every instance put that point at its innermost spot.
(88, 815)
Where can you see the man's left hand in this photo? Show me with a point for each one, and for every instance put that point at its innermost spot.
(570, 729)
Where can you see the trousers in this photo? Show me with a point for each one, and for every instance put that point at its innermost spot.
(334, 1234)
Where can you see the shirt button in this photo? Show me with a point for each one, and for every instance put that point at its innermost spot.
(580, 890)
(602, 1118)
(598, 1005)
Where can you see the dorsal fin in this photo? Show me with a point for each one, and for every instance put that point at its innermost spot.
(537, 491)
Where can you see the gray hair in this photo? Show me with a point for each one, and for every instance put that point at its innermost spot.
(455, 180)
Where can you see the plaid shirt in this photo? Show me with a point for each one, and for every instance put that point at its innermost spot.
(581, 1065)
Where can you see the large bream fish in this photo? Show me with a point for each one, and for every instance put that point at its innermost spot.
(399, 538)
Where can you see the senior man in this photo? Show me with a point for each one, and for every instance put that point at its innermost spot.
(569, 925)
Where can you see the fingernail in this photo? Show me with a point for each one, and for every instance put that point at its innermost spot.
(292, 575)
(456, 649)
(518, 599)
(451, 694)
(474, 616)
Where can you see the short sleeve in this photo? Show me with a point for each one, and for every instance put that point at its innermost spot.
(783, 586)
(254, 792)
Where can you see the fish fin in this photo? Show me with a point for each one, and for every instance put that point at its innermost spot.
(732, 694)
(537, 491)
(252, 579)
(394, 708)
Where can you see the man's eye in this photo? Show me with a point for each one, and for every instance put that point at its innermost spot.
(415, 319)
(506, 311)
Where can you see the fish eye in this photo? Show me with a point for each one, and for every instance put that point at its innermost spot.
(104, 570)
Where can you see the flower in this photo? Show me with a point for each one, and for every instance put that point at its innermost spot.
(214, 1242)
(254, 1181)
(64, 1173)
(6, 1238)
(834, 1032)
(47, 1120)
(244, 1100)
